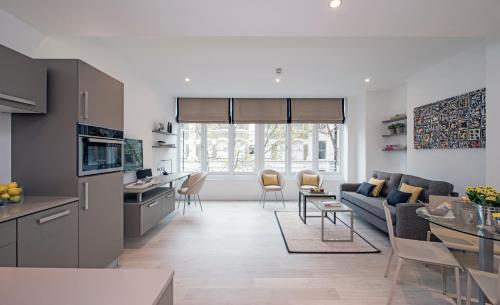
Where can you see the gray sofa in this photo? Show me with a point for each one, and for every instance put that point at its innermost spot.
(406, 223)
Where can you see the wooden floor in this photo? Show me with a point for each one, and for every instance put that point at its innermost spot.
(233, 253)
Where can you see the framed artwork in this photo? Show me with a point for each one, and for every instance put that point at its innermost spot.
(456, 122)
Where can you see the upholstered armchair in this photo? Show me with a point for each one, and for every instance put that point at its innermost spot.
(275, 187)
(300, 181)
(192, 186)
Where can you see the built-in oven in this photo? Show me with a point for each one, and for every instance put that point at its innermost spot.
(100, 150)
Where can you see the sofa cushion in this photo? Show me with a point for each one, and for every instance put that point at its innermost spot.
(365, 189)
(430, 187)
(370, 204)
(413, 190)
(396, 197)
(391, 181)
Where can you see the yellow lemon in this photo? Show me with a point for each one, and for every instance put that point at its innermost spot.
(15, 191)
(3, 188)
(5, 196)
(12, 185)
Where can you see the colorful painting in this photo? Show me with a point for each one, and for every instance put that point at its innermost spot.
(457, 122)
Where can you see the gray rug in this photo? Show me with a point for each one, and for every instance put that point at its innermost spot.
(306, 238)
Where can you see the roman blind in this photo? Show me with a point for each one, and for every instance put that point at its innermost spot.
(260, 110)
(202, 110)
(317, 110)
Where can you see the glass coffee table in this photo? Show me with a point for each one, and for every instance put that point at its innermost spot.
(319, 203)
(303, 195)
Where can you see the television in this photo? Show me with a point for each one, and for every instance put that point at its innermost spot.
(132, 154)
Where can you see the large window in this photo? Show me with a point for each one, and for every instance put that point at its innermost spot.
(244, 148)
(247, 148)
(275, 146)
(302, 145)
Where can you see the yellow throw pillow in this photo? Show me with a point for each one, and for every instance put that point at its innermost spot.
(414, 190)
(270, 180)
(310, 180)
(379, 183)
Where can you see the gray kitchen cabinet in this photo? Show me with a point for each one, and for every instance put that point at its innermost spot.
(8, 256)
(101, 98)
(168, 203)
(100, 219)
(23, 83)
(49, 238)
(8, 244)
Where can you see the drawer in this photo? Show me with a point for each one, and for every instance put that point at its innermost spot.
(151, 214)
(8, 255)
(49, 238)
(168, 202)
(7, 233)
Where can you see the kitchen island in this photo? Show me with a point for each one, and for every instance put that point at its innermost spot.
(54, 286)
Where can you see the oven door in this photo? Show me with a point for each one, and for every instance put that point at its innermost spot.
(99, 155)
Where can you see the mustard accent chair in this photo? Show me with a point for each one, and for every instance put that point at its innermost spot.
(299, 180)
(271, 188)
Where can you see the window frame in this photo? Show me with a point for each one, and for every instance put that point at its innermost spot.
(259, 150)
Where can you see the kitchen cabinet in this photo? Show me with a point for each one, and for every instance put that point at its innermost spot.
(8, 244)
(168, 203)
(100, 220)
(8, 256)
(23, 83)
(49, 238)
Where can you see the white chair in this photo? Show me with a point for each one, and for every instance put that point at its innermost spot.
(271, 188)
(192, 187)
(489, 283)
(430, 253)
(299, 179)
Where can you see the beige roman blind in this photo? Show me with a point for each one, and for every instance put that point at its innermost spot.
(202, 110)
(260, 110)
(317, 110)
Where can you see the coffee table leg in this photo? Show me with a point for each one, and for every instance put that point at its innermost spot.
(322, 226)
(352, 227)
(334, 218)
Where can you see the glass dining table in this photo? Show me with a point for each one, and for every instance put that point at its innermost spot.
(463, 222)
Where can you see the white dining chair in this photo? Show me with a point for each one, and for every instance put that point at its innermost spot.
(488, 282)
(300, 181)
(429, 253)
(192, 187)
(271, 188)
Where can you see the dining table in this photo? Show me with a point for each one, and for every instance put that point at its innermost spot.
(463, 221)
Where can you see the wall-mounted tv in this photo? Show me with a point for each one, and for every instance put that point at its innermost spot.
(132, 153)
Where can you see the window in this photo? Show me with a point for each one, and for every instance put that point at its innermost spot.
(302, 144)
(190, 152)
(244, 148)
(328, 152)
(275, 146)
(217, 147)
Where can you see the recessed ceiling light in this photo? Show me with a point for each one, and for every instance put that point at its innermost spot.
(187, 79)
(277, 80)
(335, 3)
(367, 80)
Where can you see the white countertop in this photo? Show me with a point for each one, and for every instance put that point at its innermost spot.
(54, 286)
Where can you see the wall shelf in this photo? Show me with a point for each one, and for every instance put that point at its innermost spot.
(395, 119)
(394, 135)
(394, 149)
(163, 146)
(164, 133)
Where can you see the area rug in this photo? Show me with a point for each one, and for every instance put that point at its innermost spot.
(306, 238)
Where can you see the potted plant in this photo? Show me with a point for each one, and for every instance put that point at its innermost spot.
(392, 129)
(400, 128)
(486, 200)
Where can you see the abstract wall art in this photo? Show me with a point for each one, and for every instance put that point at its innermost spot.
(456, 122)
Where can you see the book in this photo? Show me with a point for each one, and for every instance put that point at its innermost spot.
(331, 203)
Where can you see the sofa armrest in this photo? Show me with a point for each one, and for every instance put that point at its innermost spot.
(408, 224)
(349, 187)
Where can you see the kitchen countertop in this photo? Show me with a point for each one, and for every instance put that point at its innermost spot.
(48, 286)
(32, 204)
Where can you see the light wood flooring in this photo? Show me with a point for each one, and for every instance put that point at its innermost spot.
(233, 253)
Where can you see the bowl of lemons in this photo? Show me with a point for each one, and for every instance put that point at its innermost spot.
(10, 193)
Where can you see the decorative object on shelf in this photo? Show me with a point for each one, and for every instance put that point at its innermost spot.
(11, 193)
(396, 118)
(161, 127)
(487, 204)
(164, 169)
(456, 122)
(392, 129)
(400, 128)
(169, 127)
(394, 147)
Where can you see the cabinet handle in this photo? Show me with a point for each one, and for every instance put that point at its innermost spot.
(86, 195)
(85, 105)
(152, 204)
(16, 99)
(53, 217)
(170, 196)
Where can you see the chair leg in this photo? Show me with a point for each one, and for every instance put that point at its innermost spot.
(389, 263)
(395, 283)
(469, 289)
(201, 207)
(443, 279)
(457, 285)
(429, 235)
(283, 199)
(261, 195)
(179, 203)
(275, 196)
(184, 209)
(264, 201)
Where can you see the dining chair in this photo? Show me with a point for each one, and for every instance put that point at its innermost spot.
(300, 181)
(429, 253)
(271, 188)
(192, 187)
(488, 282)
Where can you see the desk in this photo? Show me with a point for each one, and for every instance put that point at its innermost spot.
(162, 180)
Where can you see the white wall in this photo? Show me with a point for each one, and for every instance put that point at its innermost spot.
(493, 110)
(145, 104)
(380, 106)
(460, 74)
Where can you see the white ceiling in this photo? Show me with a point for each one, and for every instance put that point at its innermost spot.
(268, 18)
